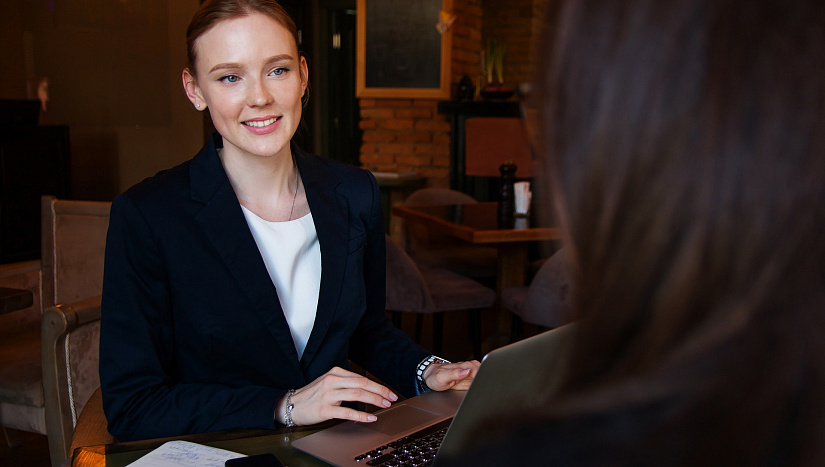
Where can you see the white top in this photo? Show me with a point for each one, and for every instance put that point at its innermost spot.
(292, 256)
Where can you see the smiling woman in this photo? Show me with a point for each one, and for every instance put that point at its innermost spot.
(239, 285)
(249, 74)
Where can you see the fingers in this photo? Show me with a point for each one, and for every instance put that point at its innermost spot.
(440, 377)
(358, 381)
(321, 400)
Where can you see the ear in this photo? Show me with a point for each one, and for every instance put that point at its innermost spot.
(193, 91)
(304, 75)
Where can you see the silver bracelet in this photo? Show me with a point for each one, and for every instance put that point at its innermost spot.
(289, 406)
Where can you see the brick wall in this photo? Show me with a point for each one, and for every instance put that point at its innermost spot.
(401, 135)
(409, 135)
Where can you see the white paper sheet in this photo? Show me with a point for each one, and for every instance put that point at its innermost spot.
(185, 454)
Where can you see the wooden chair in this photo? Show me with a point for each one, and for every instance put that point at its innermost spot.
(73, 247)
(428, 290)
(489, 142)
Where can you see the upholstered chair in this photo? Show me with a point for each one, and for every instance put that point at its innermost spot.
(546, 301)
(431, 290)
(48, 362)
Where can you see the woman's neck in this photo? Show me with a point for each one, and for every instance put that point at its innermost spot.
(267, 186)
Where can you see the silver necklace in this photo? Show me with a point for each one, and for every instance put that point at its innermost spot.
(294, 195)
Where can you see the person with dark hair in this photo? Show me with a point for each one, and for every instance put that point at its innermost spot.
(684, 146)
(239, 284)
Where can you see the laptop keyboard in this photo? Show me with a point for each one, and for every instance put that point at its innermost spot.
(416, 449)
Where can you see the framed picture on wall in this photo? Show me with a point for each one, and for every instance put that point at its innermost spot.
(404, 49)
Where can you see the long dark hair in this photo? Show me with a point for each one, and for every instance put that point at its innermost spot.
(686, 149)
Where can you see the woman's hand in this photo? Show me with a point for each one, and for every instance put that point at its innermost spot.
(443, 376)
(321, 400)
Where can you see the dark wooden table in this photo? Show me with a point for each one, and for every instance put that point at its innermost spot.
(250, 442)
(93, 446)
(478, 223)
(14, 299)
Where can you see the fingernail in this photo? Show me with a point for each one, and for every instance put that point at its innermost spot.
(465, 372)
(393, 396)
(371, 418)
(386, 403)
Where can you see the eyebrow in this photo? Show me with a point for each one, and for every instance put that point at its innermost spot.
(235, 66)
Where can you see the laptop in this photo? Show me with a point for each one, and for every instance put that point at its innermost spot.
(512, 378)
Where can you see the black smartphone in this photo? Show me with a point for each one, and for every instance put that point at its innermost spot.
(259, 460)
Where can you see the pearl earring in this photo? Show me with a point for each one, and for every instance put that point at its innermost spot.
(197, 106)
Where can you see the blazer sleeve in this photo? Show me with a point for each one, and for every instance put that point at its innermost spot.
(377, 345)
(141, 396)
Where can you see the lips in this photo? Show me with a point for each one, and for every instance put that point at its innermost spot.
(261, 123)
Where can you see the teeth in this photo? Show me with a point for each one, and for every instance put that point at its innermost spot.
(261, 123)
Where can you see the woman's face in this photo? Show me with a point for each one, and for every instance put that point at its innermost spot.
(251, 78)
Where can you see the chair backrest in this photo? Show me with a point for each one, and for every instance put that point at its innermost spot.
(73, 237)
(406, 288)
(491, 141)
(425, 196)
(73, 247)
(419, 238)
(548, 297)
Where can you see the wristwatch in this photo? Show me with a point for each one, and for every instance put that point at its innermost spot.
(422, 367)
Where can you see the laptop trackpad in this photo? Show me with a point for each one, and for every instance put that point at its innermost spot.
(400, 418)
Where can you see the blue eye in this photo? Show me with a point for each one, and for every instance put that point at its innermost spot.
(229, 79)
(280, 71)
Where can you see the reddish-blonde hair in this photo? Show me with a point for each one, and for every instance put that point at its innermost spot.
(212, 12)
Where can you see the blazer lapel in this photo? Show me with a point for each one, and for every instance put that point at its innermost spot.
(330, 212)
(223, 222)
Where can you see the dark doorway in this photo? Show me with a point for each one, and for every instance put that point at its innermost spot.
(340, 135)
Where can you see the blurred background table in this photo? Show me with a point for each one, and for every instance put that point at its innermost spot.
(14, 299)
(478, 223)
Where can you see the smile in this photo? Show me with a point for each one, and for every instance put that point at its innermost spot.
(261, 123)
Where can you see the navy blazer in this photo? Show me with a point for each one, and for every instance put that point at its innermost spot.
(193, 337)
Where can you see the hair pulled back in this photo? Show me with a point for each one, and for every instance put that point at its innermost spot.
(212, 12)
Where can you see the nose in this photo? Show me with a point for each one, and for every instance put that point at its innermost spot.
(259, 95)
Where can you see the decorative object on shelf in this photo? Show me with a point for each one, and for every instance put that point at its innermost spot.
(506, 201)
(493, 68)
(466, 89)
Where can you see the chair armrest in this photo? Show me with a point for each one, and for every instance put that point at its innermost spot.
(63, 318)
(68, 335)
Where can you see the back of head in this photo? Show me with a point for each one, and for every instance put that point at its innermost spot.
(686, 148)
